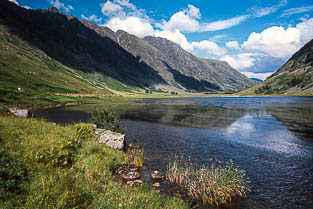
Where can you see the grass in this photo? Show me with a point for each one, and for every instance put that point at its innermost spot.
(214, 185)
(85, 182)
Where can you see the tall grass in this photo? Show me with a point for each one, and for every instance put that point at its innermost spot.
(213, 185)
(134, 157)
(86, 182)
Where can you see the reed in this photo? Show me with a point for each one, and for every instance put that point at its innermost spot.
(211, 185)
(134, 157)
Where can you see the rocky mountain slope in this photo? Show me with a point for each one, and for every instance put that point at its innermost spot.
(110, 59)
(294, 77)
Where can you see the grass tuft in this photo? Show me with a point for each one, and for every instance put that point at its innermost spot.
(214, 185)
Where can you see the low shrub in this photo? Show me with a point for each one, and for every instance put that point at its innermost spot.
(84, 131)
(12, 175)
(106, 120)
(60, 155)
(214, 185)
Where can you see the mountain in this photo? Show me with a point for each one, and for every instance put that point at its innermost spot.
(48, 43)
(295, 77)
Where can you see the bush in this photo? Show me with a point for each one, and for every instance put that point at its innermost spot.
(61, 155)
(84, 132)
(213, 185)
(12, 175)
(106, 120)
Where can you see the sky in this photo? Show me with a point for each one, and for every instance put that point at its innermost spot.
(255, 37)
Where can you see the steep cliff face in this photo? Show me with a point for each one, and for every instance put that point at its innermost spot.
(294, 77)
(89, 48)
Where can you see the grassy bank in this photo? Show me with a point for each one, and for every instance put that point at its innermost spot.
(49, 166)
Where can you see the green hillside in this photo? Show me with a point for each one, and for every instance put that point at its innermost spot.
(25, 66)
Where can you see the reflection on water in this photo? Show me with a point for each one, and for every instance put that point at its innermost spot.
(270, 138)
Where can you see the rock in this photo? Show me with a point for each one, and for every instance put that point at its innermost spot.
(157, 175)
(19, 113)
(134, 183)
(99, 132)
(131, 175)
(157, 185)
(113, 140)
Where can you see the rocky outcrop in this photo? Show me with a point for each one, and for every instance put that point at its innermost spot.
(111, 139)
(20, 113)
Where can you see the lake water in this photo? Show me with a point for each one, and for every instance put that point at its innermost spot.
(271, 138)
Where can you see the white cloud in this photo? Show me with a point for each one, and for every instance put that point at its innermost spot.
(263, 11)
(297, 10)
(233, 45)
(279, 42)
(193, 11)
(261, 76)
(306, 30)
(132, 25)
(185, 20)
(26, 7)
(177, 37)
(126, 3)
(92, 18)
(61, 5)
(223, 24)
(14, 1)
(274, 41)
(239, 61)
(112, 9)
(209, 47)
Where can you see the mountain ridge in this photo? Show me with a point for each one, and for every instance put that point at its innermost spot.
(135, 62)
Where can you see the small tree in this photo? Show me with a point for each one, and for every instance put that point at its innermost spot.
(106, 120)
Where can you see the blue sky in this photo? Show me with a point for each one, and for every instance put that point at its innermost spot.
(254, 36)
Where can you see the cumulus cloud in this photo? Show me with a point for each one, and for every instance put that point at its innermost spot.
(280, 42)
(209, 47)
(185, 21)
(297, 10)
(112, 9)
(14, 1)
(261, 76)
(274, 41)
(177, 37)
(92, 18)
(61, 5)
(239, 61)
(306, 30)
(133, 25)
(233, 45)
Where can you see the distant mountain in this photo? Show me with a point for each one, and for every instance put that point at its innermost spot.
(112, 60)
(294, 77)
(257, 80)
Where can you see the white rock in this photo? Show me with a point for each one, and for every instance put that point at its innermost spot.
(113, 140)
(19, 113)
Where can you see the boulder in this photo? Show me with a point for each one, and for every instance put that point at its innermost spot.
(19, 113)
(113, 140)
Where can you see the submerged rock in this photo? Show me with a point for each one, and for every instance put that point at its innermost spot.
(131, 175)
(157, 175)
(111, 139)
(23, 113)
(134, 183)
